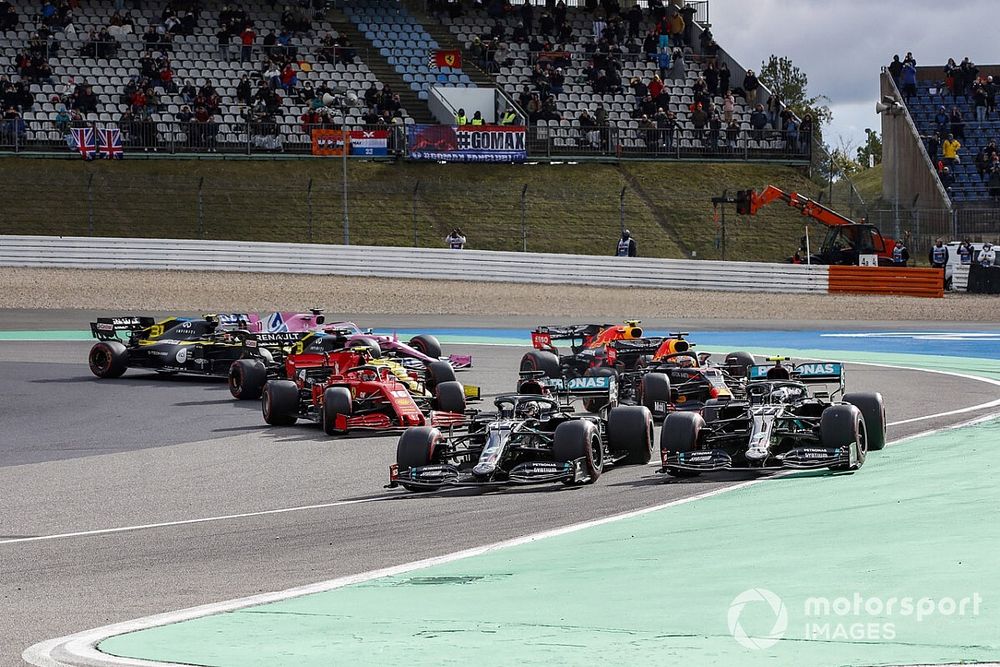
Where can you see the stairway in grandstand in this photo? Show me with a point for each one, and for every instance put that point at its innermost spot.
(447, 40)
(381, 68)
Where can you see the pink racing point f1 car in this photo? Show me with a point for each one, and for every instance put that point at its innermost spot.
(423, 347)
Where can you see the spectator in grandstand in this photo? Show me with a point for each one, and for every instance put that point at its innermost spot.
(714, 129)
(908, 58)
(947, 179)
(979, 100)
(247, 38)
(791, 132)
(949, 150)
(724, 77)
(456, 239)
(909, 80)
(991, 89)
(984, 158)
(663, 62)
(677, 27)
(647, 131)
(942, 121)
(774, 112)
(556, 81)
(895, 68)
(806, 133)
(728, 106)
(933, 146)
(289, 79)
(758, 121)
(627, 246)
(8, 17)
(711, 76)
(184, 116)
(699, 119)
(666, 125)
(733, 134)
(957, 122)
(224, 37)
(994, 180)
(952, 78)
(751, 84)
(678, 68)
(85, 101)
(968, 74)
(61, 121)
(244, 91)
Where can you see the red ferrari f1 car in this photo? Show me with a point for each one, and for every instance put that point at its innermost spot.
(351, 390)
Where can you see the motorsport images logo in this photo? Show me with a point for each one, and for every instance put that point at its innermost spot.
(777, 617)
(758, 618)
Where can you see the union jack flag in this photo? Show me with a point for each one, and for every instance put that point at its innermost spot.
(84, 138)
(111, 143)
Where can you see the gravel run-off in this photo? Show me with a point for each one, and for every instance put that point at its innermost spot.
(159, 290)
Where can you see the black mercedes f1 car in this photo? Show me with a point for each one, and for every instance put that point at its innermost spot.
(781, 423)
(528, 439)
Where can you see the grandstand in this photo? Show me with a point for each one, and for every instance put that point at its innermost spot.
(266, 76)
(971, 182)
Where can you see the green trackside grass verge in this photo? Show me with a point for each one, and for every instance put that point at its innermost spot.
(571, 208)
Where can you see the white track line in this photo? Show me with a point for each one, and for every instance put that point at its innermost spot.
(185, 522)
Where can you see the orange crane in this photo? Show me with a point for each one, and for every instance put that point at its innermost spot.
(845, 241)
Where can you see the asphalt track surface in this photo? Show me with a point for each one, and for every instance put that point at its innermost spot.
(79, 455)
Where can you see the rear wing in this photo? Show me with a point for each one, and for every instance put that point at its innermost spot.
(276, 340)
(818, 372)
(107, 328)
(542, 337)
(598, 386)
(236, 321)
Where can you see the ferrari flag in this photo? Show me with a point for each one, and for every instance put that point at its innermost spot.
(446, 58)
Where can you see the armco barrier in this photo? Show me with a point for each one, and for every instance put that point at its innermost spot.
(886, 280)
(438, 264)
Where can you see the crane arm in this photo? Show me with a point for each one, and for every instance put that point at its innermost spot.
(804, 205)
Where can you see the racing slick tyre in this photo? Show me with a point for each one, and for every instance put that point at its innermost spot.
(279, 402)
(844, 426)
(369, 343)
(540, 360)
(450, 397)
(595, 404)
(108, 359)
(654, 388)
(426, 344)
(415, 449)
(336, 401)
(740, 363)
(630, 429)
(579, 439)
(438, 372)
(680, 433)
(872, 408)
(247, 378)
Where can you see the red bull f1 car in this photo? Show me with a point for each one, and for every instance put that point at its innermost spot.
(781, 422)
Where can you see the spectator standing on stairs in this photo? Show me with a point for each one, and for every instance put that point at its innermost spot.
(528, 17)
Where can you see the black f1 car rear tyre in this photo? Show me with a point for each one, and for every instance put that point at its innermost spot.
(872, 408)
(450, 397)
(540, 360)
(368, 342)
(246, 379)
(438, 372)
(595, 404)
(740, 363)
(415, 449)
(843, 426)
(279, 402)
(336, 401)
(654, 388)
(630, 429)
(579, 439)
(108, 359)
(427, 344)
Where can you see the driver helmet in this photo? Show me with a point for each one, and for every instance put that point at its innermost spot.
(529, 410)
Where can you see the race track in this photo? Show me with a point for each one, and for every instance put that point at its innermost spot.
(131, 497)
